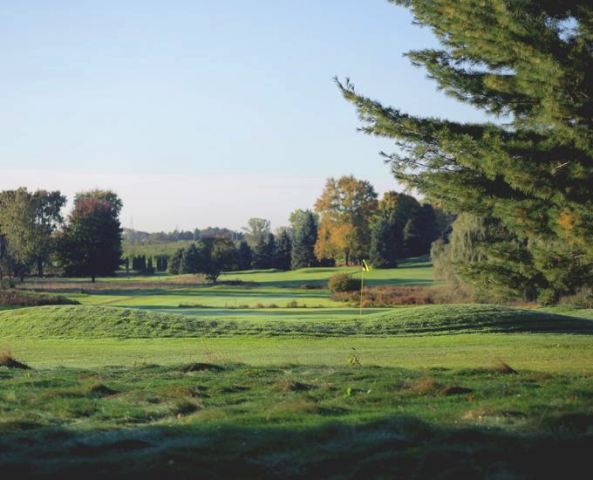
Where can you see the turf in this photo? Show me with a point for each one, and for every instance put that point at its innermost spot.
(104, 322)
(130, 384)
(227, 421)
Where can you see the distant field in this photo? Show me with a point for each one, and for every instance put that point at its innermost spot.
(185, 379)
(154, 249)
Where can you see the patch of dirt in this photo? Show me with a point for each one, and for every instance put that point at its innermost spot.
(202, 367)
(8, 361)
(186, 408)
(504, 368)
(101, 391)
(456, 390)
(424, 386)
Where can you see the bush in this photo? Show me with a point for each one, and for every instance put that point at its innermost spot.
(389, 296)
(15, 298)
(583, 298)
(342, 282)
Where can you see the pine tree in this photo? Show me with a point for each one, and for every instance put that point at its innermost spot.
(149, 266)
(529, 176)
(383, 252)
(244, 256)
(283, 251)
(264, 252)
(175, 263)
(190, 261)
(304, 240)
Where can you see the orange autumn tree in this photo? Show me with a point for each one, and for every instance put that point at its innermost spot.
(345, 210)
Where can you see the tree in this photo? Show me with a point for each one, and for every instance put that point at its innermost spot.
(412, 238)
(244, 256)
(48, 218)
(29, 221)
(530, 178)
(282, 258)
(264, 252)
(191, 260)
(17, 225)
(149, 266)
(91, 242)
(345, 207)
(175, 263)
(219, 254)
(304, 238)
(161, 263)
(384, 247)
(257, 230)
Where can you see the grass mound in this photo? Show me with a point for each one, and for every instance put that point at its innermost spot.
(109, 322)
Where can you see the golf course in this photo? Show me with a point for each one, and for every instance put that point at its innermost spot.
(263, 373)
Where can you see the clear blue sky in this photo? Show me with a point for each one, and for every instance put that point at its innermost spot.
(202, 112)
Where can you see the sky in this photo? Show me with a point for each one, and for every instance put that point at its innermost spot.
(203, 112)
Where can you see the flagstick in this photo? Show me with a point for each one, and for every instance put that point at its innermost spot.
(361, 288)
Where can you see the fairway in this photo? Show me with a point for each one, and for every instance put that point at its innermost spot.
(265, 373)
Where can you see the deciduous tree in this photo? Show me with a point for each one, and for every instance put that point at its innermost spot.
(345, 208)
(91, 243)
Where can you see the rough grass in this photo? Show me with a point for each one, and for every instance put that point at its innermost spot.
(105, 322)
(293, 422)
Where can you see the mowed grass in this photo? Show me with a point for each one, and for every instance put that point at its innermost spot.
(86, 322)
(131, 385)
(254, 288)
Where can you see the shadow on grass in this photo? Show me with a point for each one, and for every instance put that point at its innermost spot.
(389, 447)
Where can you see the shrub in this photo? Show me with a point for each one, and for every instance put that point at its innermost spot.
(583, 298)
(388, 296)
(15, 298)
(342, 282)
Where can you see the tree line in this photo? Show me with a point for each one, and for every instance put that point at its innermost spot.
(348, 223)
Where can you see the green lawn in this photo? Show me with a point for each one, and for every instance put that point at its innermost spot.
(306, 287)
(129, 384)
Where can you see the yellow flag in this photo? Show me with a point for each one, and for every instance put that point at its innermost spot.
(365, 266)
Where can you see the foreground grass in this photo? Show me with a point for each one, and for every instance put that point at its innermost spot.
(559, 353)
(227, 420)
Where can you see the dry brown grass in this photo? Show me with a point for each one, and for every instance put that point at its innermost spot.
(19, 298)
(504, 368)
(388, 296)
(8, 361)
(424, 386)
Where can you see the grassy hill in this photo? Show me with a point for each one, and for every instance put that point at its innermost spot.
(105, 322)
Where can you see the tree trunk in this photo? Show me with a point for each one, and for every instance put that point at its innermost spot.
(93, 278)
(39, 267)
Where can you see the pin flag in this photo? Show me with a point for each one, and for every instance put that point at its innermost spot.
(365, 266)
